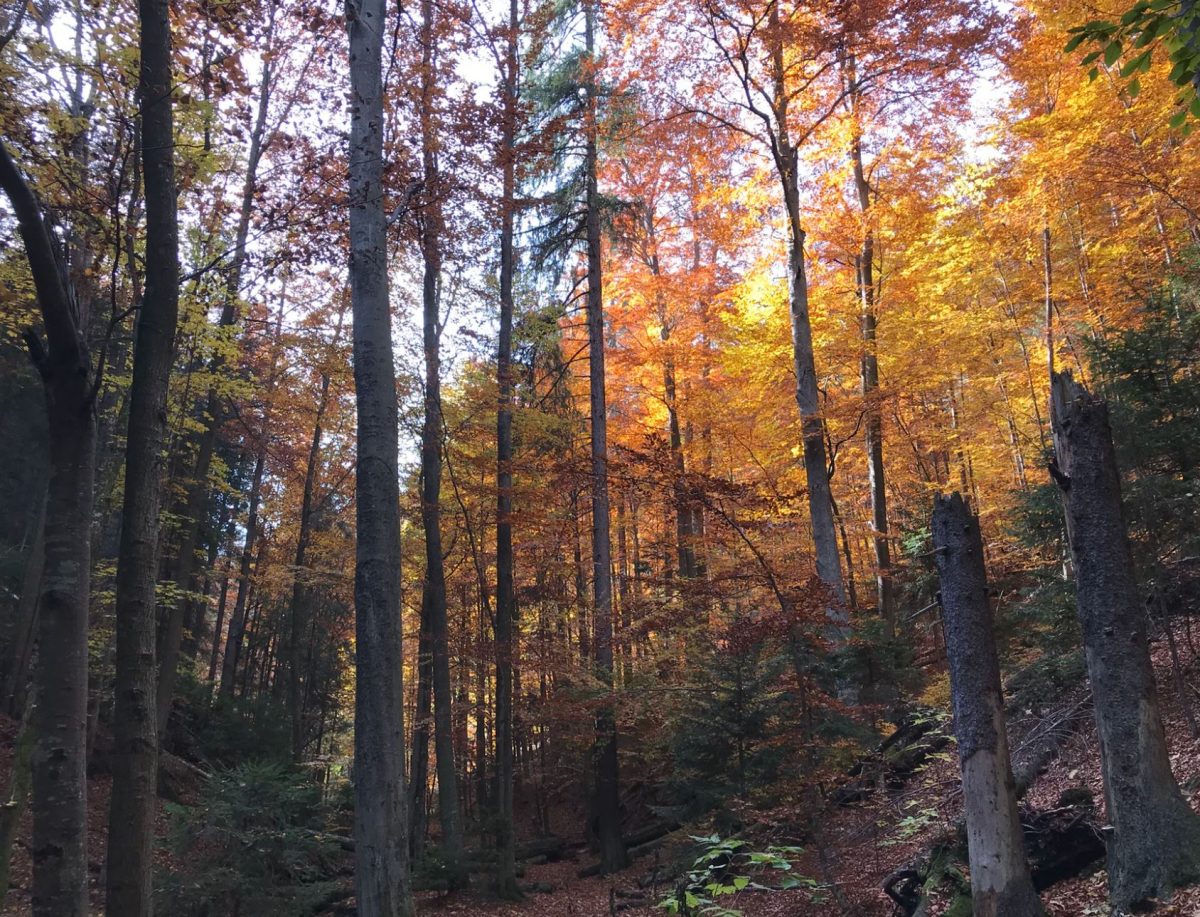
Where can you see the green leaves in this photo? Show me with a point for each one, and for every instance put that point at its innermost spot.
(1141, 28)
(720, 871)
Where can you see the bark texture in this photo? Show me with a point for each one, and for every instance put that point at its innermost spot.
(607, 802)
(60, 678)
(380, 817)
(132, 805)
(506, 599)
(433, 596)
(1000, 880)
(1155, 842)
(808, 397)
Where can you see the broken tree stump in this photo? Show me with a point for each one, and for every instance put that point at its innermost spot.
(1000, 881)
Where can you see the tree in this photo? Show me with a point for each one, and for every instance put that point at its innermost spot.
(1155, 842)
(607, 802)
(755, 43)
(61, 674)
(507, 626)
(1000, 879)
(380, 819)
(135, 732)
(433, 595)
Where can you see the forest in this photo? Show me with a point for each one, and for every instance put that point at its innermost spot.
(578, 458)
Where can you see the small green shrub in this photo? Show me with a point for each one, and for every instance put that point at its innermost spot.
(255, 845)
(726, 867)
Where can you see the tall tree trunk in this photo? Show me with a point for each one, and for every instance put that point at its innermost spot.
(1000, 881)
(607, 802)
(873, 440)
(299, 613)
(1048, 283)
(1155, 841)
(133, 804)
(237, 620)
(418, 786)
(816, 469)
(434, 595)
(219, 623)
(380, 820)
(506, 599)
(61, 675)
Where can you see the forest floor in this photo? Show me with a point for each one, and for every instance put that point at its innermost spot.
(859, 845)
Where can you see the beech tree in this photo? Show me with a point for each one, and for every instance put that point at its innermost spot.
(381, 817)
(61, 675)
(135, 720)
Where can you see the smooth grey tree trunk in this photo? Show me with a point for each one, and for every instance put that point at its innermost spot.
(808, 397)
(873, 439)
(380, 816)
(59, 849)
(607, 801)
(434, 592)
(507, 634)
(1000, 881)
(133, 803)
(300, 598)
(418, 777)
(237, 620)
(1155, 840)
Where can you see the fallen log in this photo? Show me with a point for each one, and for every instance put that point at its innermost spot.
(1042, 742)
(1062, 842)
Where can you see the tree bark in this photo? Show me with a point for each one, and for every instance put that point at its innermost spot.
(1155, 841)
(299, 615)
(129, 887)
(873, 439)
(506, 599)
(237, 620)
(61, 676)
(434, 592)
(607, 802)
(808, 398)
(418, 786)
(1000, 880)
(380, 820)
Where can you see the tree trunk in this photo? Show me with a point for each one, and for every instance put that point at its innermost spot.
(299, 615)
(418, 786)
(380, 820)
(808, 399)
(607, 802)
(1155, 841)
(61, 674)
(506, 599)
(434, 593)
(873, 441)
(129, 887)
(1000, 881)
(237, 620)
